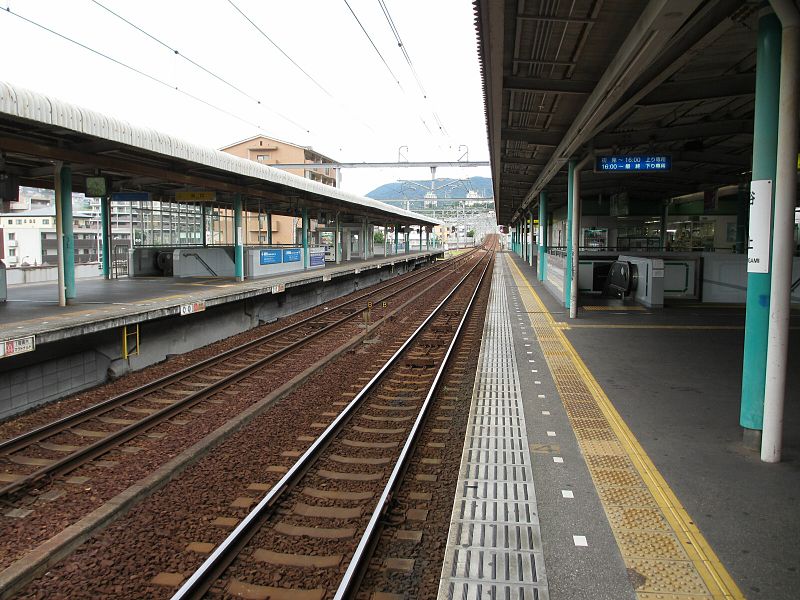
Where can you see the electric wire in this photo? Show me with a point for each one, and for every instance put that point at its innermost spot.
(410, 63)
(383, 60)
(153, 78)
(289, 58)
(175, 51)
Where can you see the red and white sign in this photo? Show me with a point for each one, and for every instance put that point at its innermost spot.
(17, 346)
(188, 309)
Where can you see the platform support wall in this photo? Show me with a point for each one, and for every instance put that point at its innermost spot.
(304, 213)
(765, 142)
(570, 218)
(105, 218)
(68, 238)
(783, 234)
(238, 244)
(542, 267)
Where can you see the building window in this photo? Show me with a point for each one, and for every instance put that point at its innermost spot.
(51, 251)
(19, 221)
(12, 237)
(45, 221)
(12, 252)
(11, 221)
(262, 157)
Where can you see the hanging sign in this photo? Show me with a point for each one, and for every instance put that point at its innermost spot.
(760, 226)
(633, 163)
(130, 196)
(195, 196)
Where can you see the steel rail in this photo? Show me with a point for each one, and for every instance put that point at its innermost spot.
(35, 435)
(224, 554)
(362, 553)
(86, 453)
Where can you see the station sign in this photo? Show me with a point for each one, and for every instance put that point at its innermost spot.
(292, 255)
(278, 288)
(316, 257)
(130, 197)
(194, 307)
(195, 196)
(633, 163)
(270, 256)
(17, 346)
(760, 226)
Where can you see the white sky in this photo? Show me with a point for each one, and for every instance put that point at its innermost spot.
(367, 118)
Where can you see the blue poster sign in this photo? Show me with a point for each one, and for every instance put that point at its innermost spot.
(633, 163)
(292, 254)
(317, 259)
(270, 257)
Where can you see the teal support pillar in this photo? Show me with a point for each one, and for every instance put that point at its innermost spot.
(570, 204)
(765, 143)
(105, 219)
(396, 238)
(541, 269)
(338, 240)
(269, 227)
(68, 241)
(407, 239)
(238, 242)
(531, 250)
(305, 238)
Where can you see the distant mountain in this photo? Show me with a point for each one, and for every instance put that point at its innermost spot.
(445, 187)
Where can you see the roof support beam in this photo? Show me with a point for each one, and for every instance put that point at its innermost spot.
(652, 32)
(675, 134)
(548, 86)
(536, 137)
(701, 89)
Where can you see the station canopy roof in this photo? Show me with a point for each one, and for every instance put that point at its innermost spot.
(38, 130)
(568, 80)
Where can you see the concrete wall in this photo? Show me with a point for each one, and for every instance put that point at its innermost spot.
(58, 369)
(24, 275)
(196, 262)
(725, 278)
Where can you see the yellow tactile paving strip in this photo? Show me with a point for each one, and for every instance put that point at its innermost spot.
(667, 555)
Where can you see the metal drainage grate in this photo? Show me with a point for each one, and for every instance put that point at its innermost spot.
(494, 547)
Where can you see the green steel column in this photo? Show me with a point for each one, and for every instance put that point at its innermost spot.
(305, 238)
(396, 238)
(68, 236)
(105, 215)
(238, 245)
(541, 270)
(568, 264)
(269, 227)
(765, 142)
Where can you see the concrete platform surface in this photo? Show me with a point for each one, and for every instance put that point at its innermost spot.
(673, 376)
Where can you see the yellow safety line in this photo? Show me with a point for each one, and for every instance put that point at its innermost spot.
(626, 326)
(708, 565)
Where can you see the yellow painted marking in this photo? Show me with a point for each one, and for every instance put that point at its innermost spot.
(655, 534)
(625, 326)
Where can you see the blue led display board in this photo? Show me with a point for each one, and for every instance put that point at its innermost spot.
(633, 163)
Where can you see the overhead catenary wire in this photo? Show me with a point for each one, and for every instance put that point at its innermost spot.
(279, 49)
(153, 78)
(410, 63)
(383, 60)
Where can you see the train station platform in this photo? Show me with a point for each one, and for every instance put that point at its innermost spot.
(115, 326)
(604, 459)
(32, 309)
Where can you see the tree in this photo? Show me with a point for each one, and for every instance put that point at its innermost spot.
(471, 233)
(377, 237)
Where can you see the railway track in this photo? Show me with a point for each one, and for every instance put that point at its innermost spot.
(113, 422)
(313, 531)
